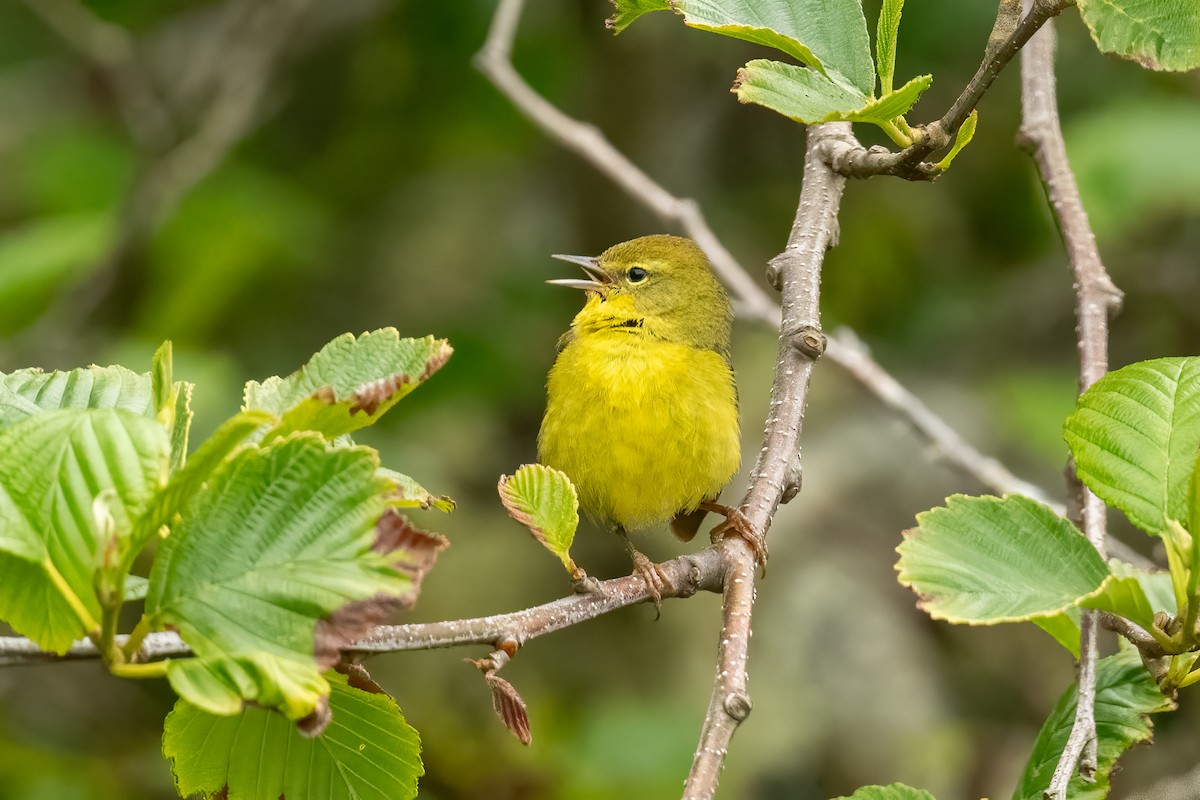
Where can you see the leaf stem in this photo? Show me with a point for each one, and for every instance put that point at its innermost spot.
(896, 133)
(134, 642)
(81, 611)
(153, 669)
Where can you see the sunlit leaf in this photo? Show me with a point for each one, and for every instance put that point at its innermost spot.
(56, 465)
(986, 560)
(32, 391)
(1063, 627)
(810, 97)
(350, 382)
(1125, 697)
(963, 138)
(1134, 437)
(886, 34)
(1158, 34)
(367, 751)
(544, 500)
(410, 494)
(828, 35)
(280, 556)
(1123, 597)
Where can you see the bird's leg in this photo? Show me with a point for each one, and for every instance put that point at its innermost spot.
(739, 523)
(656, 580)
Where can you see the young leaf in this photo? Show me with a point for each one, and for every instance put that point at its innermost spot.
(828, 35)
(172, 402)
(1125, 697)
(31, 391)
(810, 97)
(410, 494)
(56, 464)
(1134, 436)
(349, 384)
(509, 707)
(886, 33)
(1155, 585)
(277, 553)
(543, 499)
(1158, 34)
(367, 752)
(986, 560)
(894, 791)
(963, 138)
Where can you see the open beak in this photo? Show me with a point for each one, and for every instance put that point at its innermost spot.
(591, 265)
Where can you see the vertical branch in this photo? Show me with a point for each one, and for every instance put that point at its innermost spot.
(1095, 298)
(776, 475)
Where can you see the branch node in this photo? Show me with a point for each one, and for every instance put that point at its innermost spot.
(738, 706)
(810, 341)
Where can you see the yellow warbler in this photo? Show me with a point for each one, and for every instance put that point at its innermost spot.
(641, 409)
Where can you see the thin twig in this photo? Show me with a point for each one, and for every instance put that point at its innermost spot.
(776, 474)
(909, 163)
(1095, 298)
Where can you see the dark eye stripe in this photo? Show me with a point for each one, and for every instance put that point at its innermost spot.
(637, 275)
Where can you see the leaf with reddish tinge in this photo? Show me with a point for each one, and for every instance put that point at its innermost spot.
(287, 551)
(544, 500)
(349, 384)
(509, 707)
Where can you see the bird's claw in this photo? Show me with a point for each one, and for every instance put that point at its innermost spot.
(655, 579)
(739, 524)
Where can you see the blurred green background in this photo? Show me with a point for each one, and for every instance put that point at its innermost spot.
(354, 171)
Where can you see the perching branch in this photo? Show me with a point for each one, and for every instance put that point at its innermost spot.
(688, 574)
(1095, 298)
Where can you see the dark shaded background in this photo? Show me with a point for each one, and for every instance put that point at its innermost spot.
(386, 183)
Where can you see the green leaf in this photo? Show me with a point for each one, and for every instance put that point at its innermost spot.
(1064, 628)
(1123, 597)
(368, 751)
(1134, 436)
(31, 391)
(828, 35)
(886, 34)
(986, 560)
(65, 477)
(1125, 697)
(1155, 585)
(285, 553)
(136, 587)
(40, 257)
(183, 484)
(410, 494)
(963, 138)
(349, 384)
(172, 402)
(223, 684)
(894, 791)
(809, 97)
(543, 499)
(1158, 34)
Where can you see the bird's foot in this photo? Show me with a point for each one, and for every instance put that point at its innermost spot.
(738, 524)
(652, 574)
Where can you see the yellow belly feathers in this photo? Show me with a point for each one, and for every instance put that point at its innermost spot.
(643, 427)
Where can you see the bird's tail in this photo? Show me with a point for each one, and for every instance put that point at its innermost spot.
(686, 523)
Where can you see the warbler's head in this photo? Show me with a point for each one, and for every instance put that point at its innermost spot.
(662, 284)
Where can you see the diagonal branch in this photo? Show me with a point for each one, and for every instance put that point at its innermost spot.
(1095, 298)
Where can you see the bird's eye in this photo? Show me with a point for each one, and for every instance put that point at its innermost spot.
(637, 275)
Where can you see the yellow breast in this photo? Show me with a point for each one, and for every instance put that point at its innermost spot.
(643, 427)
